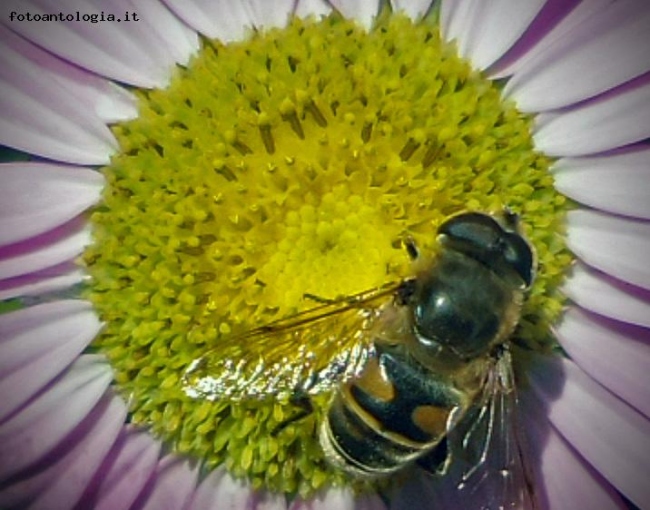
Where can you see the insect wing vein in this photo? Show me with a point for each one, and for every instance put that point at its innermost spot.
(494, 471)
(306, 353)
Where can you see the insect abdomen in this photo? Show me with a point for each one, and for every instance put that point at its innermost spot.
(392, 414)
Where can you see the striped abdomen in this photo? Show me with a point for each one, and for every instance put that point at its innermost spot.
(395, 412)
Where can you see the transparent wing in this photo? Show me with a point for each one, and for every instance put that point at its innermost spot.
(489, 455)
(306, 353)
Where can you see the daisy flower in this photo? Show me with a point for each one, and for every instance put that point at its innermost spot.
(182, 171)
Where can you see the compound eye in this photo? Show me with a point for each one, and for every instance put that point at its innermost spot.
(519, 255)
(483, 238)
(473, 229)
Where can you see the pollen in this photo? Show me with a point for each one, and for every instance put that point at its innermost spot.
(285, 168)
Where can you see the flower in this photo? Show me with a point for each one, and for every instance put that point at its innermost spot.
(64, 437)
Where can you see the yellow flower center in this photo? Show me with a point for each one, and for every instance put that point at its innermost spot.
(288, 164)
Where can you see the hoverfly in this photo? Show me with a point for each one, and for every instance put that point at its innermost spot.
(419, 370)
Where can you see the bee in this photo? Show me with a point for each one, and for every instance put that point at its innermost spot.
(419, 370)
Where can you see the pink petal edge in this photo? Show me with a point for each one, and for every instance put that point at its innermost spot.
(37, 197)
(608, 433)
(37, 344)
(62, 482)
(606, 296)
(617, 183)
(615, 354)
(615, 36)
(37, 429)
(125, 473)
(614, 245)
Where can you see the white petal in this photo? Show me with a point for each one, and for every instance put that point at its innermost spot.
(486, 30)
(329, 499)
(605, 296)
(128, 51)
(102, 97)
(617, 37)
(414, 9)
(41, 116)
(179, 39)
(43, 424)
(37, 344)
(61, 482)
(618, 183)
(125, 472)
(47, 250)
(316, 8)
(227, 20)
(616, 355)
(37, 197)
(175, 482)
(269, 14)
(50, 280)
(455, 20)
(617, 118)
(617, 246)
(362, 11)
(608, 433)
(220, 490)
(563, 479)
(560, 19)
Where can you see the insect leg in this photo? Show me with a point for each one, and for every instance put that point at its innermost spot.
(436, 462)
(411, 247)
(305, 408)
(318, 299)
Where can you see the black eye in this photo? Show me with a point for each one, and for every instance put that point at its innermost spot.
(472, 229)
(519, 256)
(484, 239)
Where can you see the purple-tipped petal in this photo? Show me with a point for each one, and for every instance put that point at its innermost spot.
(220, 490)
(227, 20)
(614, 245)
(561, 477)
(49, 280)
(615, 354)
(330, 499)
(104, 98)
(615, 36)
(609, 434)
(486, 30)
(47, 250)
(557, 20)
(609, 121)
(414, 9)
(62, 478)
(419, 492)
(315, 8)
(37, 344)
(269, 14)
(362, 11)
(43, 117)
(606, 296)
(173, 486)
(37, 429)
(125, 472)
(128, 51)
(37, 197)
(618, 183)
